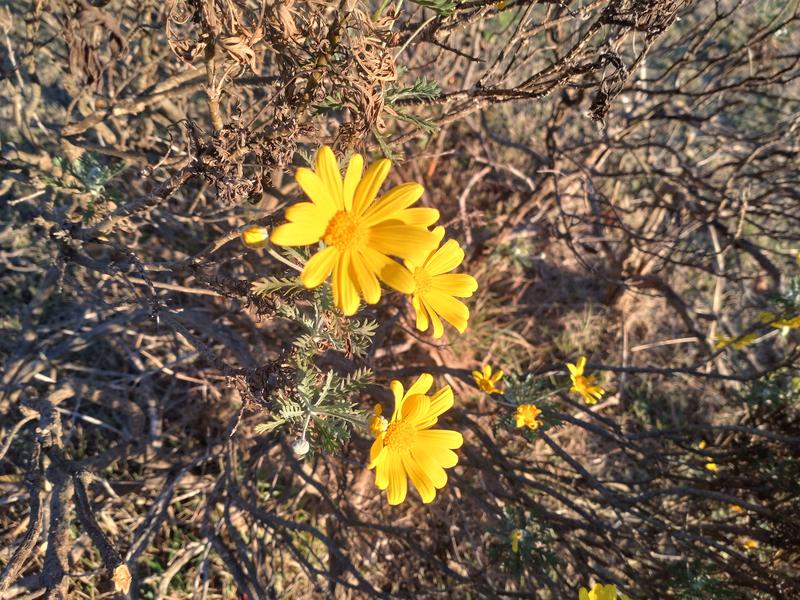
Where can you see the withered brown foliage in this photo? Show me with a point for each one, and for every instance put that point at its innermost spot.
(624, 176)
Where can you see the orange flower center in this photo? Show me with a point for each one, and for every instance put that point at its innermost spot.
(344, 232)
(582, 382)
(422, 280)
(399, 436)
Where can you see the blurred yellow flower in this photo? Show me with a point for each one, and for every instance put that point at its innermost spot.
(750, 543)
(486, 381)
(528, 415)
(360, 234)
(255, 236)
(770, 318)
(408, 447)
(738, 342)
(711, 465)
(516, 536)
(736, 508)
(601, 592)
(436, 289)
(702, 444)
(791, 323)
(585, 385)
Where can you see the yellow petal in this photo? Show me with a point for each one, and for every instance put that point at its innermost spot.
(438, 328)
(351, 178)
(455, 284)
(422, 315)
(295, 234)
(445, 259)
(404, 241)
(572, 369)
(428, 463)
(581, 365)
(444, 457)
(398, 483)
(397, 391)
(365, 278)
(487, 371)
(393, 201)
(420, 215)
(440, 438)
(316, 191)
(382, 470)
(319, 267)
(420, 480)
(368, 187)
(421, 385)
(307, 214)
(393, 274)
(451, 310)
(375, 450)
(345, 295)
(441, 401)
(415, 407)
(328, 171)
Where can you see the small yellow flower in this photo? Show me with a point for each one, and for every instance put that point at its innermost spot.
(750, 543)
(601, 592)
(528, 415)
(360, 233)
(378, 423)
(585, 385)
(711, 465)
(738, 342)
(409, 448)
(486, 381)
(736, 508)
(255, 236)
(436, 289)
(702, 444)
(516, 536)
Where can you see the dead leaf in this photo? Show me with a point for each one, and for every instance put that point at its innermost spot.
(122, 579)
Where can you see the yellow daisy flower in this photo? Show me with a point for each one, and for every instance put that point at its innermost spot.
(585, 385)
(408, 447)
(516, 536)
(601, 592)
(436, 289)
(528, 414)
(486, 381)
(255, 236)
(750, 543)
(360, 234)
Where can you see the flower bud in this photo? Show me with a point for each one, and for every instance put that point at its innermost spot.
(255, 236)
(300, 447)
